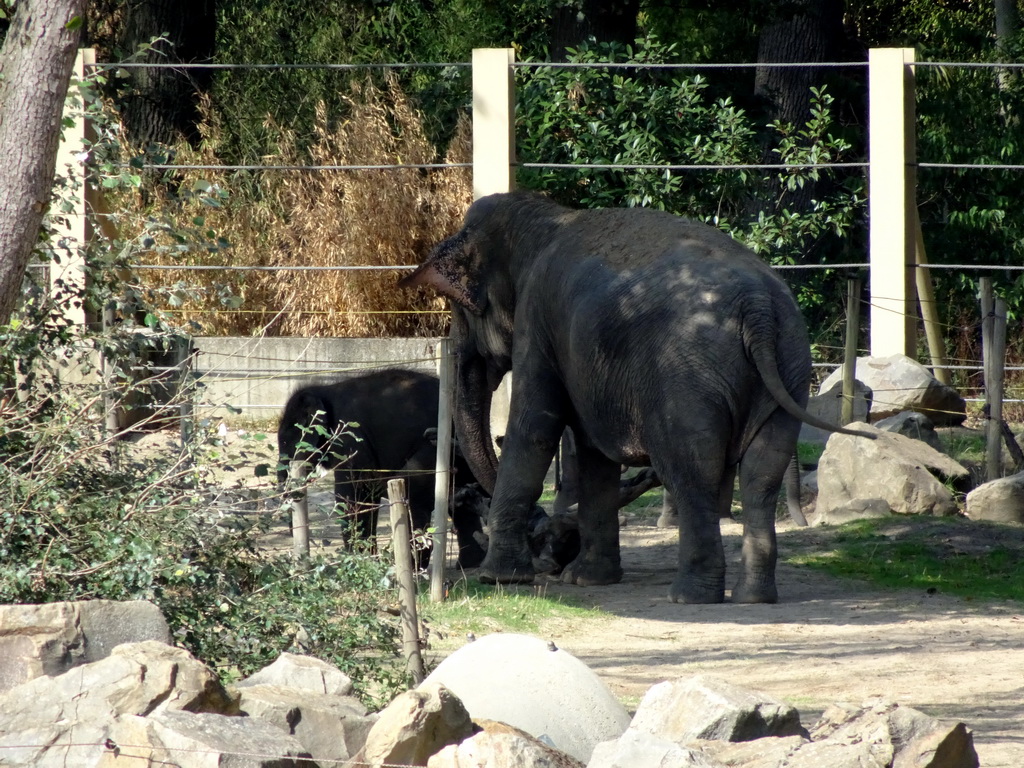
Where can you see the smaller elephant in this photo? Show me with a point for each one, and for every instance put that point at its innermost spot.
(369, 429)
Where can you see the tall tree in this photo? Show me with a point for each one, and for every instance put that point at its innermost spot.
(796, 31)
(606, 21)
(161, 105)
(35, 66)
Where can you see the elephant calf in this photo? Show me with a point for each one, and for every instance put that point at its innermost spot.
(369, 429)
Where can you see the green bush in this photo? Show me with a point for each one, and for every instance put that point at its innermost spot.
(87, 517)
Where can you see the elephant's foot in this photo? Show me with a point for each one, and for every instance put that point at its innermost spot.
(755, 591)
(593, 571)
(669, 519)
(689, 589)
(506, 567)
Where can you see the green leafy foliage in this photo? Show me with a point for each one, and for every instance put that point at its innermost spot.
(654, 117)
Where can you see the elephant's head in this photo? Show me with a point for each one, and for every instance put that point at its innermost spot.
(476, 268)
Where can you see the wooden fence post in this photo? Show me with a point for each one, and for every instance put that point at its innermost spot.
(401, 541)
(891, 201)
(442, 478)
(298, 471)
(993, 344)
(850, 354)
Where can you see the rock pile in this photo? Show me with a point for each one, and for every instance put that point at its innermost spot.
(144, 702)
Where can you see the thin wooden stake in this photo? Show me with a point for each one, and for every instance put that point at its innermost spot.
(993, 344)
(401, 541)
(297, 473)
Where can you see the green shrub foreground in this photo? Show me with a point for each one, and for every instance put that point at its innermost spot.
(85, 516)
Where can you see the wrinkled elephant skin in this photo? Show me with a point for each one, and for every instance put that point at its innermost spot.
(660, 341)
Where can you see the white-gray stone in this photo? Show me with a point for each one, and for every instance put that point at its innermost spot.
(417, 724)
(519, 680)
(903, 472)
(999, 500)
(899, 383)
(914, 425)
(706, 707)
(135, 679)
(828, 405)
(643, 750)
(51, 638)
(305, 672)
(499, 745)
(855, 509)
(331, 728)
(201, 740)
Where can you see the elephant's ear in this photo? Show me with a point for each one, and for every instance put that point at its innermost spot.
(453, 270)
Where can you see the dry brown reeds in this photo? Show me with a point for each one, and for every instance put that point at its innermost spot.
(325, 218)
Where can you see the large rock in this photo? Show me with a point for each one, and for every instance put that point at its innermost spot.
(304, 672)
(499, 745)
(200, 740)
(416, 725)
(706, 707)
(899, 383)
(530, 684)
(906, 474)
(892, 735)
(643, 750)
(49, 639)
(914, 425)
(135, 679)
(331, 728)
(1001, 500)
(828, 405)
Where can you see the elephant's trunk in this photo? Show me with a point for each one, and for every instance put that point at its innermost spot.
(473, 421)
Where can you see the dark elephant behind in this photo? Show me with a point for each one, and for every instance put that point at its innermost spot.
(660, 342)
(369, 429)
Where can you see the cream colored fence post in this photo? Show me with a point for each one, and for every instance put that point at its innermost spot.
(494, 145)
(73, 236)
(892, 201)
(494, 154)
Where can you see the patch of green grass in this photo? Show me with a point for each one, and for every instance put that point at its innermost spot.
(951, 556)
(963, 446)
(482, 608)
(809, 453)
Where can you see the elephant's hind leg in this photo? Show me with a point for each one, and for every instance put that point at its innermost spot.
(599, 561)
(761, 473)
(697, 489)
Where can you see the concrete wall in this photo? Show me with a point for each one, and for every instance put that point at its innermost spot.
(256, 375)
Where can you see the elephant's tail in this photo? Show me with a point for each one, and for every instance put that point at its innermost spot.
(763, 353)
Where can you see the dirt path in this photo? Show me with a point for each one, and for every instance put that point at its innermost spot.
(826, 640)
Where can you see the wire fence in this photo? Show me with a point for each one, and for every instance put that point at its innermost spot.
(333, 366)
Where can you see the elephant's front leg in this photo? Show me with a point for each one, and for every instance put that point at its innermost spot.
(599, 561)
(526, 454)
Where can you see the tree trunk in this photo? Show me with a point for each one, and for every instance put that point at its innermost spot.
(35, 65)
(801, 31)
(162, 105)
(603, 20)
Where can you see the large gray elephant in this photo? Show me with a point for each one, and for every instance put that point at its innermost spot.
(660, 341)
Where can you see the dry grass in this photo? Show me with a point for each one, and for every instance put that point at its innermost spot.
(326, 218)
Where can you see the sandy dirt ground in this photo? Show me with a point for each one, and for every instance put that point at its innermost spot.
(827, 640)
